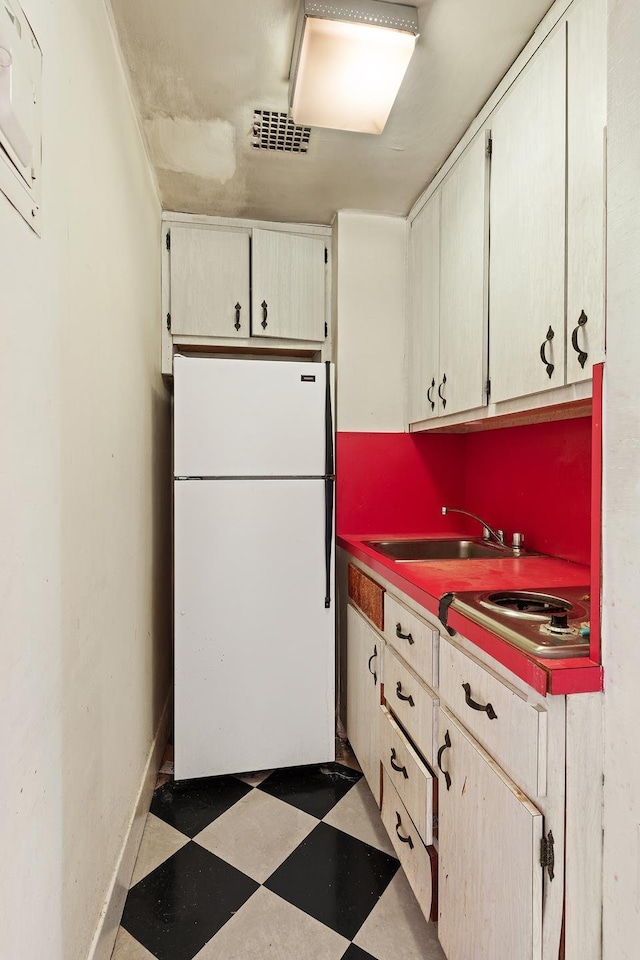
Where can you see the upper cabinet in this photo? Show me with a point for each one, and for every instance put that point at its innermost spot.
(424, 312)
(448, 292)
(586, 121)
(528, 228)
(464, 226)
(238, 283)
(521, 313)
(209, 282)
(288, 286)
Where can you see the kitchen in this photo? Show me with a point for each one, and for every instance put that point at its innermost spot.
(85, 552)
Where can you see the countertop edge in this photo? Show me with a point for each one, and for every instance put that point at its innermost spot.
(555, 677)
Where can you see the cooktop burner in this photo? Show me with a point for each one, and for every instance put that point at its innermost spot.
(548, 623)
(529, 605)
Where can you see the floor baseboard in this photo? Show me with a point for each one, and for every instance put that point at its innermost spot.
(106, 932)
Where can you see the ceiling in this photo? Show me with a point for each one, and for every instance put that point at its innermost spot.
(200, 68)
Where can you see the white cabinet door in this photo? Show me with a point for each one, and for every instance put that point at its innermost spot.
(527, 259)
(490, 880)
(464, 222)
(209, 282)
(424, 315)
(364, 661)
(288, 275)
(586, 120)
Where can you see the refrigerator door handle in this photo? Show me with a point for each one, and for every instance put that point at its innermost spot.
(329, 482)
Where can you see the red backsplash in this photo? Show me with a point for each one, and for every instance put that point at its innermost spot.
(396, 482)
(534, 478)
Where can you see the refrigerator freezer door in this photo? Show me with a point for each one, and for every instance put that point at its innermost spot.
(254, 643)
(248, 418)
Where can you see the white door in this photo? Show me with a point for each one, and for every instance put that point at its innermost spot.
(424, 284)
(364, 666)
(288, 274)
(209, 282)
(464, 234)
(527, 258)
(247, 418)
(490, 880)
(586, 120)
(254, 642)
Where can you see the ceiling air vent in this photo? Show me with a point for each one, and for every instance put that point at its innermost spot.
(277, 131)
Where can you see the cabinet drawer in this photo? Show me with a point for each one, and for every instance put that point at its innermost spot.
(415, 640)
(511, 729)
(411, 778)
(412, 702)
(367, 595)
(418, 862)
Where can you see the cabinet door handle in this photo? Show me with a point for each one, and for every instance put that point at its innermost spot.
(445, 746)
(432, 402)
(403, 636)
(237, 309)
(487, 708)
(401, 696)
(444, 380)
(373, 672)
(582, 354)
(396, 766)
(264, 314)
(543, 347)
(398, 834)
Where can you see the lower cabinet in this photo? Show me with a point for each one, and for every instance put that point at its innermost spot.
(418, 861)
(364, 663)
(477, 777)
(489, 847)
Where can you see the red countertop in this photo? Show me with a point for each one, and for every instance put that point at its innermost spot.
(426, 582)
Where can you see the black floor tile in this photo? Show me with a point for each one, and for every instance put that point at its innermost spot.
(334, 878)
(355, 953)
(314, 789)
(191, 805)
(178, 907)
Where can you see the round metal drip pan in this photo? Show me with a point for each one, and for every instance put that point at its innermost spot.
(525, 605)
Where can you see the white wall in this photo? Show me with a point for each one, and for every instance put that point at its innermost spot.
(84, 483)
(621, 627)
(369, 257)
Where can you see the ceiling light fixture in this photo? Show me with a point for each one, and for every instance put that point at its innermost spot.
(349, 59)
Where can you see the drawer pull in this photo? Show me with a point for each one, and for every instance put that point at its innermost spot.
(402, 770)
(373, 672)
(403, 636)
(399, 835)
(237, 309)
(487, 708)
(445, 746)
(264, 314)
(402, 696)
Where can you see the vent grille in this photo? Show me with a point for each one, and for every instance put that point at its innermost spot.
(277, 131)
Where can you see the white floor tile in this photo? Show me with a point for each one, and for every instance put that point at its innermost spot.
(357, 813)
(269, 928)
(159, 842)
(126, 948)
(396, 927)
(257, 834)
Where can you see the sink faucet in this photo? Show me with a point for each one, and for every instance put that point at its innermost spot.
(487, 532)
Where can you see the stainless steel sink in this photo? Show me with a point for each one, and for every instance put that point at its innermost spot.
(449, 549)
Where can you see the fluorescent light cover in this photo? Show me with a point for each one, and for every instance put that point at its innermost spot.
(349, 74)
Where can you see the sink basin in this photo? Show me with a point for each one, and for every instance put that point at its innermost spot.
(449, 549)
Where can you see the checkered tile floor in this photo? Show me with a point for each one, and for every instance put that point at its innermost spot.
(290, 865)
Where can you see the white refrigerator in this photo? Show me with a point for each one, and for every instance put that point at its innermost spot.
(253, 565)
